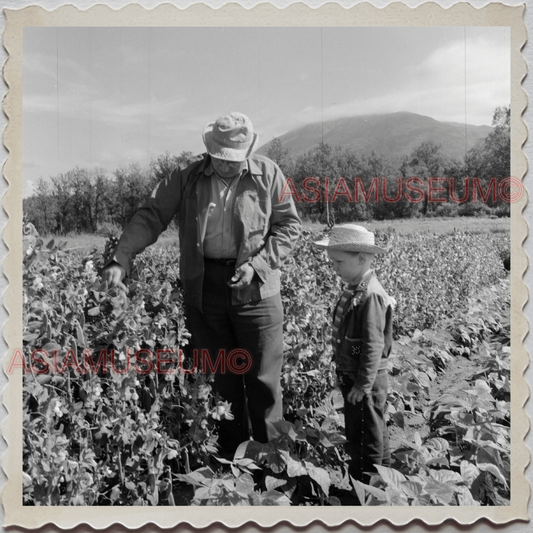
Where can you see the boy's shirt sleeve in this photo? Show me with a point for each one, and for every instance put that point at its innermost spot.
(372, 326)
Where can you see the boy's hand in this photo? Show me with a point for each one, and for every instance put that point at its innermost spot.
(355, 395)
(243, 276)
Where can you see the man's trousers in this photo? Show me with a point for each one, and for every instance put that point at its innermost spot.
(255, 328)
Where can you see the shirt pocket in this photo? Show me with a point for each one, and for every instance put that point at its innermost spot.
(350, 352)
(354, 346)
(253, 212)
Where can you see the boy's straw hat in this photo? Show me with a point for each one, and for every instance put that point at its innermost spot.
(231, 137)
(351, 238)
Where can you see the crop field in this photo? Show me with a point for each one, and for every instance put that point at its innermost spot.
(124, 430)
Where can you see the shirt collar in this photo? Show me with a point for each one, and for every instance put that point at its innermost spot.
(363, 284)
(253, 168)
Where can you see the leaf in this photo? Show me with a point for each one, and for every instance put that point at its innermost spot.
(247, 463)
(202, 476)
(28, 337)
(80, 336)
(438, 461)
(494, 470)
(154, 497)
(391, 477)
(488, 455)
(276, 461)
(398, 419)
(94, 311)
(244, 485)
(359, 490)
(446, 476)
(464, 497)
(115, 493)
(250, 449)
(469, 472)
(439, 444)
(325, 441)
(272, 482)
(320, 476)
(273, 497)
(412, 488)
(283, 427)
(443, 492)
(295, 467)
(224, 461)
(395, 497)
(482, 389)
(377, 493)
(202, 493)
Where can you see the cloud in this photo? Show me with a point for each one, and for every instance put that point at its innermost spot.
(435, 87)
(80, 102)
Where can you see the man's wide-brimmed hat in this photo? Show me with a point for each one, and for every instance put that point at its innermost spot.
(231, 137)
(351, 238)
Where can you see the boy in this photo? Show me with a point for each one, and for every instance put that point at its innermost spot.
(362, 340)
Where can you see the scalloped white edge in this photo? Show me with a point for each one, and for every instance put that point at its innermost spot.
(232, 14)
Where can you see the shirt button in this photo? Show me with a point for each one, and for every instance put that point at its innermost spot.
(338, 341)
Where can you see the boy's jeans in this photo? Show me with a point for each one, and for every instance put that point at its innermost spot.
(366, 429)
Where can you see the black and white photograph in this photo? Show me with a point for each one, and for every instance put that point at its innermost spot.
(268, 266)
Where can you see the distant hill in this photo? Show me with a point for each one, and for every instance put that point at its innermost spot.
(391, 134)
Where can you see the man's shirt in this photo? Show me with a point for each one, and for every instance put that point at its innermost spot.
(265, 225)
(219, 239)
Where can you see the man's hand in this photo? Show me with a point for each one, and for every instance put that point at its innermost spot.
(113, 275)
(355, 395)
(243, 276)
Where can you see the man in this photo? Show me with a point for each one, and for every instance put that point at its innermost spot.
(236, 228)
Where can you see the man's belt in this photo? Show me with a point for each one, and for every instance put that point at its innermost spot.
(221, 261)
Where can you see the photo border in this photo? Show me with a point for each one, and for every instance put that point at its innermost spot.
(262, 15)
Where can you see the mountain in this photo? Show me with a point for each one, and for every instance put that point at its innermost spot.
(391, 134)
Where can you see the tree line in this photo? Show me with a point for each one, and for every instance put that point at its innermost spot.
(90, 201)
(377, 186)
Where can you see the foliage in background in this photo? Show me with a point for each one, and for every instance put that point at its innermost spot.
(83, 200)
(90, 200)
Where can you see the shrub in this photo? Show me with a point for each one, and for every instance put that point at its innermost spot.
(503, 210)
(108, 229)
(445, 209)
(474, 209)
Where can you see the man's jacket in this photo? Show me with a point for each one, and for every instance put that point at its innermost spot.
(364, 339)
(266, 226)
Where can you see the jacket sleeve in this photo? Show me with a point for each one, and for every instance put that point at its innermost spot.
(285, 228)
(372, 328)
(151, 219)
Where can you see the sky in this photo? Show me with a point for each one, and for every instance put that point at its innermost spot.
(109, 97)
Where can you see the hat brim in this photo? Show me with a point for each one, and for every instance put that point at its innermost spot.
(222, 152)
(351, 247)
